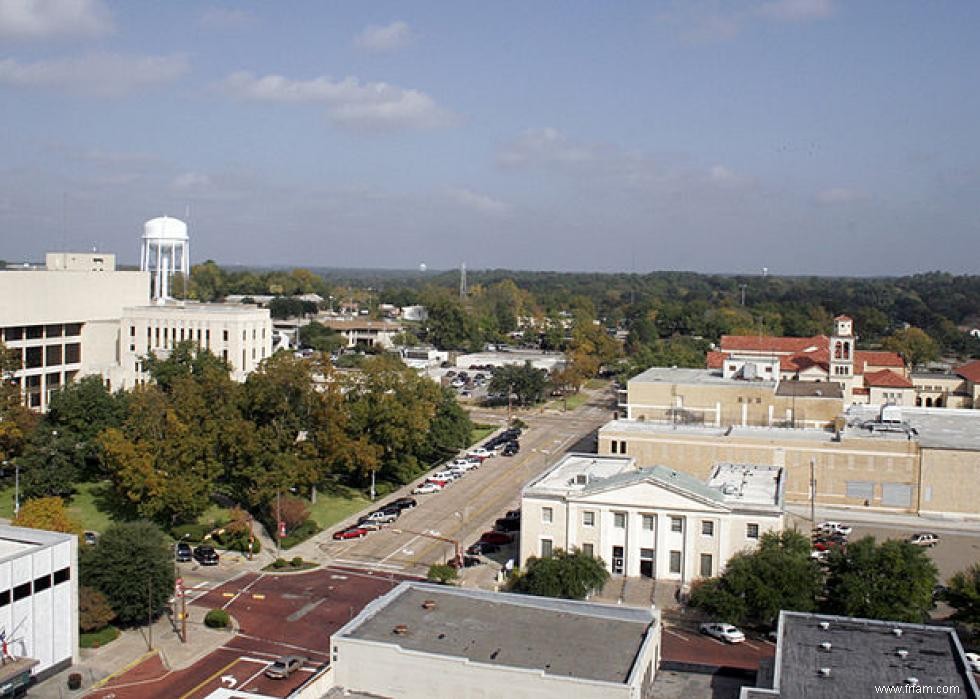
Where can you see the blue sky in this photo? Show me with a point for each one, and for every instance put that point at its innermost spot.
(807, 136)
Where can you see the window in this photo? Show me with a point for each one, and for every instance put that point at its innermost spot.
(546, 548)
(73, 329)
(676, 524)
(52, 355)
(648, 523)
(619, 520)
(547, 515)
(10, 334)
(224, 335)
(63, 575)
(752, 531)
(33, 358)
(54, 330)
(675, 561)
(708, 527)
(4, 598)
(705, 565)
(73, 353)
(588, 519)
(614, 447)
(22, 591)
(588, 550)
(34, 332)
(42, 583)
(622, 447)
(132, 331)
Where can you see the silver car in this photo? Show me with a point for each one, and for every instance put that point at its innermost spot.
(285, 666)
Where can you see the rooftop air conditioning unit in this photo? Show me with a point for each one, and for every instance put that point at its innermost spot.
(902, 653)
(897, 632)
(581, 479)
(824, 625)
(825, 672)
(826, 645)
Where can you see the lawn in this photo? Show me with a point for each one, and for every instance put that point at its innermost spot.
(573, 401)
(97, 639)
(595, 384)
(83, 508)
(336, 505)
(481, 432)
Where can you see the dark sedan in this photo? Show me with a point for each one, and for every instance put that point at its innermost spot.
(206, 555)
(183, 552)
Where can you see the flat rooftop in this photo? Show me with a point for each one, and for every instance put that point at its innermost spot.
(564, 475)
(194, 307)
(864, 654)
(710, 377)
(747, 484)
(935, 428)
(17, 541)
(562, 638)
(810, 389)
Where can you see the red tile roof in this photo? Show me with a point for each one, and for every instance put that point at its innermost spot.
(716, 359)
(843, 317)
(768, 343)
(970, 371)
(886, 378)
(877, 358)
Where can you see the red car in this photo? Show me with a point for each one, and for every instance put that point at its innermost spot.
(496, 538)
(826, 545)
(352, 533)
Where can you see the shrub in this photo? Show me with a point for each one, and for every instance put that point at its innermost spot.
(190, 532)
(300, 534)
(217, 619)
(296, 562)
(94, 612)
(443, 574)
(293, 510)
(279, 563)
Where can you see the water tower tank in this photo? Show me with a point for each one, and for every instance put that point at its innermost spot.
(164, 251)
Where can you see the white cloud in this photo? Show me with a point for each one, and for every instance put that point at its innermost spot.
(191, 181)
(797, 10)
(725, 177)
(389, 37)
(841, 195)
(478, 202)
(350, 103)
(40, 19)
(226, 18)
(545, 146)
(101, 74)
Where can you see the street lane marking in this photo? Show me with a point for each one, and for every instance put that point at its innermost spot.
(210, 679)
(678, 635)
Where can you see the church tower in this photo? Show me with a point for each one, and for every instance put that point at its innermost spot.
(842, 353)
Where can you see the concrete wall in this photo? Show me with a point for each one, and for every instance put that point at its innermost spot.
(950, 482)
(389, 671)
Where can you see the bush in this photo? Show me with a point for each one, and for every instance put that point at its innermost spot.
(443, 574)
(292, 510)
(217, 619)
(279, 563)
(236, 541)
(300, 534)
(192, 532)
(296, 562)
(94, 612)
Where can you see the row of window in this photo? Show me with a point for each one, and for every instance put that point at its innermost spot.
(674, 562)
(48, 355)
(618, 446)
(647, 522)
(40, 584)
(37, 332)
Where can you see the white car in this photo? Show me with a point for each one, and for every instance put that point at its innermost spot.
(426, 488)
(924, 539)
(445, 475)
(480, 453)
(723, 632)
(973, 660)
(834, 528)
(463, 467)
(475, 463)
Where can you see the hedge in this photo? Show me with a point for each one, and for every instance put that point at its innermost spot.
(299, 534)
(217, 619)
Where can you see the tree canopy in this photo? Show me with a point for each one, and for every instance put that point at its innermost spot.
(569, 575)
(963, 594)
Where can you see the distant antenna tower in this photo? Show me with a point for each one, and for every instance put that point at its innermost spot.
(765, 271)
(462, 280)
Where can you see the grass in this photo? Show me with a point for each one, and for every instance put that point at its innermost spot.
(96, 639)
(336, 506)
(573, 401)
(481, 432)
(595, 384)
(83, 508)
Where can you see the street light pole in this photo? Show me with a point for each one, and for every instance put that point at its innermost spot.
(16, 487)
(813, 492)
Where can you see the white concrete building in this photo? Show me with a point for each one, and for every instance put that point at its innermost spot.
(423, 641)
(539, 360)
(241, 335)
(39, 597)
(654, 522)
(63, 321)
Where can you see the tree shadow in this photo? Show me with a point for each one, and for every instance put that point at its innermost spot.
(109, 501)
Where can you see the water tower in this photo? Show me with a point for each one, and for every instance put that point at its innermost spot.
(164, 250)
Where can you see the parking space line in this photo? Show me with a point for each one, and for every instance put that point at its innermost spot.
(678, 635)
(240, 592)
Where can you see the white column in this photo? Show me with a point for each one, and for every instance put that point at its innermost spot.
(745, 414)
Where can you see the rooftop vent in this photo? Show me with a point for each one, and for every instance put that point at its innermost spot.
(826, 645)
(824, 625)
(912, 681)
(897, 632)
(400, 630)
(825, 672)
(429, 604)
(902, 653)
(582, 479)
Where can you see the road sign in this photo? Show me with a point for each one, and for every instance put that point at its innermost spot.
(282, 530)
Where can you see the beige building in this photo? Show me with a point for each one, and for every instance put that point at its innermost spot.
(241, 335)
(423, 641)
(360, 332)
(957, 389)
(928, 465)
(654, 522)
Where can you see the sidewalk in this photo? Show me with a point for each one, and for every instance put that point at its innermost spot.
(886, 519)
(98, 665)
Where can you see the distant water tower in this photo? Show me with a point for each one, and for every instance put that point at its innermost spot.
(164, 250)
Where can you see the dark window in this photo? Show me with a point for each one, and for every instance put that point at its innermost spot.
(752, 531)
(34, 332)
(52, 355)
(224, 335)
(22, 591)
(33, 358)
(73, 329)
(13, 334)
(42, 583)
(705, 565)
(54, 330)
(132, 331)
(4, 598)
(73, 353)
(63, 575)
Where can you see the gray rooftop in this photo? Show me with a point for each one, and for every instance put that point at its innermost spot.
(864, 654)
(810, 389)
(693, 376)
(935, 428)
(661, 474)
(597, 642)
(16, 541)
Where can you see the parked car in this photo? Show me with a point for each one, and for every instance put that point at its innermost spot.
(482, 548)
(182, 552)
(444, 475)
(91, 538)
(507, 524)
(499, 538)
(924, 539)
(382, 517)
(820, 556)
(973, 660)
(426, 488)
(463, 467)
(285, 666)
(206, 555)
(827, 545)
(475, 463)
(513, 514)
(480, 453)
(834, 528)
(404, 503)
(511, 449)
(369, 524)
(440, 482)
(350, 533)
(723, 632)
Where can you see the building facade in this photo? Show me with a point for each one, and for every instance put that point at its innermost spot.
(39, 597)
(653, 522)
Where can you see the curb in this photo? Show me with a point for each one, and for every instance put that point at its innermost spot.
(125, 668)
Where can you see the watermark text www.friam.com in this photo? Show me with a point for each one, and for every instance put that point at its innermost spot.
(934, 689)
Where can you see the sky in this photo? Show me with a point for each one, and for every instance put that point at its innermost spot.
(805, 136)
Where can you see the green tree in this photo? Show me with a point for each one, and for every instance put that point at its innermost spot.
(49, 514)
(915, 346)
(443, 574)
(16, 421)
(526, 382)
(319, 337)
(207, 282)
(132, 565)
(573, 575)
(94, 612)
(963, 594)
(51, 464)
(779, 574)
(892, 581)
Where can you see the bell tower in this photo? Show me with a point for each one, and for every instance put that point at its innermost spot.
(842, 352)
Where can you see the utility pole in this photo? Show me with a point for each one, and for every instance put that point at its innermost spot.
(813, 492)
(278, 521)
(149, 613)
(742, 287)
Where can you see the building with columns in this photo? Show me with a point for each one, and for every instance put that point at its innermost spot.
(653, 522)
